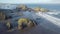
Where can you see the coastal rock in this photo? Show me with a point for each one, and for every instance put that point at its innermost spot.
(2, 16)
(37, 9)
(26, 22)
(22, 7)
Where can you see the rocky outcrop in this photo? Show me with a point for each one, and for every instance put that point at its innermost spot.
(22, 7)
(2, 16)
(24, 22)
(43, 10)
(37, 9)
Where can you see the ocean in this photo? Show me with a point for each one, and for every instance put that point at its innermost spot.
(47, 6)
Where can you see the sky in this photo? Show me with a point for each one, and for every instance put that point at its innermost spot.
(31, 1)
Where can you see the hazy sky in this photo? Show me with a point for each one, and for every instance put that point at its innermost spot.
(31, 1)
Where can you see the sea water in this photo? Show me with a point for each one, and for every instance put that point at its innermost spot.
(47, 6)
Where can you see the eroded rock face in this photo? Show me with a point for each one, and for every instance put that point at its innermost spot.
(2, 16)
(9, 26)
(26, 22)
(43, 10)
(37, 9)
(22, 7)
(21, 25)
